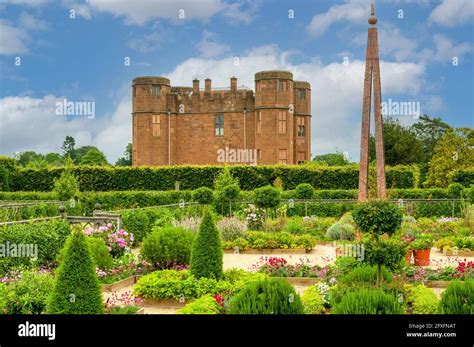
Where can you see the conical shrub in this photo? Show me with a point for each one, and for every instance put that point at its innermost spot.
(206, 255)
(76, 288)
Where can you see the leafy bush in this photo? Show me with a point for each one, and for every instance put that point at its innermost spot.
(368, 301)
(422, 242)
(99, 252)
(172, 284)
(267, 197)
(168, 246)
(159, 217)
(423, 300)
(207, 256)
(456, 190)
(26, 294)
(339, 231)
(295, 226)
(313, 301)
(189, 223)
(4, 178)
(231, 228)
(206, 304)
(364, 274)
(203, 195)
(136, 222)
(76, 288)
(346, 264)
(264, 240)
(48, 237)
(458, 298)
(269, 296)
(408, 219)
(378, 217)
(67, 185)
(304, 191)
(389, 253)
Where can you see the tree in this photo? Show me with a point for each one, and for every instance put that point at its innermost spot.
(81, 151)
(54, 159)
(401, 144)
(126, 160)
(207, 256)
(94, 157)
(429, 131)
(331, 159)
(454, 151)
(76, 288)
(68, 148)
(27, 157)
(66, 186)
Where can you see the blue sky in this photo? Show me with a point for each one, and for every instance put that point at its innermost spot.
(82, 59)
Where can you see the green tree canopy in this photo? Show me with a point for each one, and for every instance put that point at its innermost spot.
(94, 157)
(454, 151)
(81, 152)
(27, 157)
(126, 160)
(331, 159)
(68, 148)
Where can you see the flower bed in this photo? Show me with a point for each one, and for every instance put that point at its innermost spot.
(264, 240)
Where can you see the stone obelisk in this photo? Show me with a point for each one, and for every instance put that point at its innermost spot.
(372, 77)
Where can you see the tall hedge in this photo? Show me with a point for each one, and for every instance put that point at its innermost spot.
(206, 255)
(99, 178)
(76, 288)
(465, 177)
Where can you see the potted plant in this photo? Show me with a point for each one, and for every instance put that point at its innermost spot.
(408, 236)
(421, 248)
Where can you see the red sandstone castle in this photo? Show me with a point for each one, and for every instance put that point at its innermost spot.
(184, 125)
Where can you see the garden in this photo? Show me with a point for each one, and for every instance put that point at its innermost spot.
(253, 241)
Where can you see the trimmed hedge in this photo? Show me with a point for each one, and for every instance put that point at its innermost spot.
(99, 178)
(465, 177)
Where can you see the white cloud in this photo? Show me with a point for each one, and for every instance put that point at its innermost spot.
(210, 47)
(13, 40)
(80, 9)
(29, 22)
(31, 3)
(352, 12)
(451, 13)
(146, 43)
(445, 49)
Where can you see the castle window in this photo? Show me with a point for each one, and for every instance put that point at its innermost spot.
(282, 122)
(282, 156)
(155, 90)
(219, 125)
(301, 127)
(259, 153)
(156, 125)
(301, 94)
(301, 157)
(259, 122)
(281, 85)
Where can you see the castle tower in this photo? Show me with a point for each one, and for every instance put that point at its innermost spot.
(302, 121)
(151, 120)
(372, 77)
(274, 117)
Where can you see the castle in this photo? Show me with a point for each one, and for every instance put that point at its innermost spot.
(187, 125)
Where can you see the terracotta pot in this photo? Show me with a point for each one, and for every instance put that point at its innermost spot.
(339, 251)
(408, 256)
(422, 257)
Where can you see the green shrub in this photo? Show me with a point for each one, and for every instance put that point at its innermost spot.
(99, 252)
(172, 284)
(304, 191)
(368, 301)
(76, 288)
(423, 300)
(136, 222)
(458, 298)
(204, 305)
(48, 237)
(313, 301)
(339, 231)
(203, 195)
(346, 264)
(159, 217)
(295, 226)
(267, 197)
(270, 296)
(4, 178)
(266, 240)
(389, 253)
(455, 190)
(231, 228)
(168, 246)
(378, 217)
(26, 295)
(464, 177)
(207, 255)
(364, 274)
(347, 218)
(66, 186)
(422, 242)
